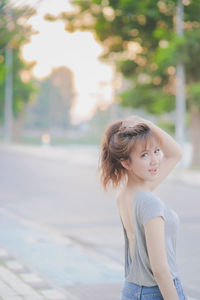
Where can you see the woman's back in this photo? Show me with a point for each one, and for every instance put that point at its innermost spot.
(125, 202)
(145, 207)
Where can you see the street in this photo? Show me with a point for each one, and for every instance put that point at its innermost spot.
(56, 218)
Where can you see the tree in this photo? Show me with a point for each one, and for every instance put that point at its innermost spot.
(139, 37)
(15, 32)
(51, 109)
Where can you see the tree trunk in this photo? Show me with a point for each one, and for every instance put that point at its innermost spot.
(195, 137)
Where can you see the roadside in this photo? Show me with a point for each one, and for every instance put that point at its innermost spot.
(88, 155)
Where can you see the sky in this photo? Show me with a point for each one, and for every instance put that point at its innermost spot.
(53, 47)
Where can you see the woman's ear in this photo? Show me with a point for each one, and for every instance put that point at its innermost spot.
(125, 163)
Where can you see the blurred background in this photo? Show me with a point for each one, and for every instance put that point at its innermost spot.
(67, 69)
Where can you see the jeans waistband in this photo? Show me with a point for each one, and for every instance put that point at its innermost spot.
(176, 281)
(136, 289)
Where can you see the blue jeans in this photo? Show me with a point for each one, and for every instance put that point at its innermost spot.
(132, 291)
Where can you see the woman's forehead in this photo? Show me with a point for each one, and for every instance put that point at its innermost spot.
(142, 145)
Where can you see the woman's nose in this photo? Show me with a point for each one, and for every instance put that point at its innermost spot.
(154, 160)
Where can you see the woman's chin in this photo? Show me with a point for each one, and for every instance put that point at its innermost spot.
(153, 177)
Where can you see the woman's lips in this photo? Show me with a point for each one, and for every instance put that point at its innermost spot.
(153, 171)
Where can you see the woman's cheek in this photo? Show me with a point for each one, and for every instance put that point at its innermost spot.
(143, 166)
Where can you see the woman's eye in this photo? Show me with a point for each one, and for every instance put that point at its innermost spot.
(143, 155)
(157, 150)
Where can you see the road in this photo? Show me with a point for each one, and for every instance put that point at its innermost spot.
(55, 217)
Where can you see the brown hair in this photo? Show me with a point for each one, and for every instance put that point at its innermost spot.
(118, 143)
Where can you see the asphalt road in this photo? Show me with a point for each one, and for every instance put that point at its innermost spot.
(56, 217)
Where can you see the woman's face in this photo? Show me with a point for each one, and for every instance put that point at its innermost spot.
(145, 162)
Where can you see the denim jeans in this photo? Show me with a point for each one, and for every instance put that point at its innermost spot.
(132, 291)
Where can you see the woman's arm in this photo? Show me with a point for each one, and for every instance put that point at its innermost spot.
(170, 147)
(172, 152)
(155, 240)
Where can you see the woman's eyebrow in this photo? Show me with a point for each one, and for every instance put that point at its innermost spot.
(145, 150)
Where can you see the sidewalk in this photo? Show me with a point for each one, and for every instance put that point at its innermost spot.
(18, 282)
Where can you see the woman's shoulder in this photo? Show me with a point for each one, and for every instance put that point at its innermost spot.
(148, 198)
(124, 197)
(125, 193)
(146, 194)
(137, 197)
(121, 195)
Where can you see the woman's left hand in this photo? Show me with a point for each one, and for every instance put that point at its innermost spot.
(133, 120)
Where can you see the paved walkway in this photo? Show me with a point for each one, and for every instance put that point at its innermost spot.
(19, 282)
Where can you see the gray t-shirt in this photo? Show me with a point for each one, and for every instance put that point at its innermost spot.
(147, 206)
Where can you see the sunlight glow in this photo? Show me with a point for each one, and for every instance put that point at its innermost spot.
(53, 47)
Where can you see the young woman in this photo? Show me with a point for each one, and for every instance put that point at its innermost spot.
(137, 156)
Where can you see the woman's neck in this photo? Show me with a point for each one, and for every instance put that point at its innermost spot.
(136, 184)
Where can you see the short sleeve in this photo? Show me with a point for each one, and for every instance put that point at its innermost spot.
(151, 207)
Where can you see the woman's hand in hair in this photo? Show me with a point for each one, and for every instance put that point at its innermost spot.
(134, 120)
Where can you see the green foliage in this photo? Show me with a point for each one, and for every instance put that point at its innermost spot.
(151, 99)
(149, 24)
(127, 67)
(192, 57)
(168, 126)
(193, 93)
(15, 34)
(171, 55)
(2, 69)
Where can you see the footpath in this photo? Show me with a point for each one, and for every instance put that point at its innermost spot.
(17, 280)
